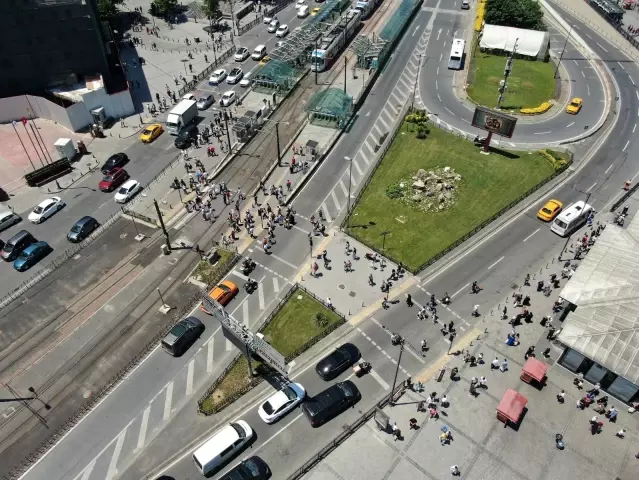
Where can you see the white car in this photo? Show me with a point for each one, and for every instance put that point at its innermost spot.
(228, 98)
(189, 96)
(46, 208)
(217, 77)
(269, 18)
(282, 31)
(302, 11)
(235, 76)
(300, 3)
(241, 54)
(127, 191)
(282, 402)
(246, 81)
(273, 25)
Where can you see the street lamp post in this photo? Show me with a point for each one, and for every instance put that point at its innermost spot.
(399, 361)
(562, 52)
(503, 84)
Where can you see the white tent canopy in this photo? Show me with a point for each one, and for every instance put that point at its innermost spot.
(531, 43)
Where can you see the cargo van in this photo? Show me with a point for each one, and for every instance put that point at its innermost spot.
(221, 447)
(259, 53)
(571, 218)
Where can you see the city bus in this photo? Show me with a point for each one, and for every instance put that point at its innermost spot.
(456, 60)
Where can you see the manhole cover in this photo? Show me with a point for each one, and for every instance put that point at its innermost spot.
(341, 286)
(351, 294)
(124, 235)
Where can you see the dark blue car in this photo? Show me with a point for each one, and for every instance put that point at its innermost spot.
(31, 255)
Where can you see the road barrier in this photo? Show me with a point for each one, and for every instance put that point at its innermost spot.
(192, 85)
(242, 29)
(624, 197)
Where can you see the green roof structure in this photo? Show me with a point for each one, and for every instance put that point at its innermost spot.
(331, 107)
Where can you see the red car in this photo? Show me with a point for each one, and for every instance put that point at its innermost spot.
(113, 179)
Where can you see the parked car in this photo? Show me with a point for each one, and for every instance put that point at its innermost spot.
(282, 31)
(82, 229)
(281, 402)
(241, 54)
(228, 98)
(337, 361)
(268, 18)
(151, 132)
(127, 191)
(182, 336)
(223, 293)
(235, 76)
(14, 246)
(8, 219)
(253, 468)
(205, 101)
(331, 402)
(272, 27)
(217, 77)
(113, 179)
(186, 137)
(45, 209)
(31, 255)
(302, 11)
(221, 447)
(116, 160)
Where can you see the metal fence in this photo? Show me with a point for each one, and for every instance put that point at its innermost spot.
(192, 85)
(57, 262)
(346, 433)
(624, 197)
(380, 156)
(257, 380)
(242, 29)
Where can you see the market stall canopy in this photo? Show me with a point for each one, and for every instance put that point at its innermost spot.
(535, 369)
(511, 406)
(531, 43)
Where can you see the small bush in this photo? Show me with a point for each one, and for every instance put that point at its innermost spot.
(422, 132)
(556, 160)
(321, 320)
(394, 191)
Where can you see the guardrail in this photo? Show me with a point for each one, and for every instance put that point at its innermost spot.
(57, 262)
(242, 29)
(346, 433)
(191, 85)
(624, 197)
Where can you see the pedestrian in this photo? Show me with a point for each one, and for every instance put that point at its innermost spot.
(561, 396)
(504, 365)
(475, 311)
(412, 424)
(329, 303)
(530, 352)
(409, 300)
(612, 414)
(190, 68)
(621, 433)
(454, 471)
(397, 433)
(288, 184)
(483, 383)
(354, 253)
(444, 401)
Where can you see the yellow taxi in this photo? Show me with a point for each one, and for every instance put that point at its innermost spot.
(223, 293)
(315, 11)
(265, 60)
(550, 210)
(151, 132)
(574, 106)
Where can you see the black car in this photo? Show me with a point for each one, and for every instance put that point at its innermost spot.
(117, 160)
(253, 468)
(82, 229)
(182, 336)
(337, 361)
(331, 402)
(186, 137)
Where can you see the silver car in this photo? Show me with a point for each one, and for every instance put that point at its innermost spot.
(235, 76)
(205, 101)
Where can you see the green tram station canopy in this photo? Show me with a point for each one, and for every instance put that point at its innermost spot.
(331, 107)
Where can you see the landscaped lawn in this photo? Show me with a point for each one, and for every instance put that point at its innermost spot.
(211, 274)
(489, 183)
(529, 85)
(291, 328)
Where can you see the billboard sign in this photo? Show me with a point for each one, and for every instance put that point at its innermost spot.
(495, 122)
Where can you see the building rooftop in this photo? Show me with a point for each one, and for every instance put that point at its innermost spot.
(605, 289)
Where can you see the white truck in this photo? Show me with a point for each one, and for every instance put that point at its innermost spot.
(180, 116)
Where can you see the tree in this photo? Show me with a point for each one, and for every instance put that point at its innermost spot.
(161, 8)
(211, 9)
(107, 9)
(525, 14)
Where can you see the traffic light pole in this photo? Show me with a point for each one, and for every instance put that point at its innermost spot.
(503, 85)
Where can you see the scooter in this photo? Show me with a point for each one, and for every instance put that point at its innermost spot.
(559, 441)
(250, 286)
(247, 266)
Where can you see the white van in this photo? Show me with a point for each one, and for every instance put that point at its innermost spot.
(302, 11)
(259, 53)
(222, 446)
(571, 218)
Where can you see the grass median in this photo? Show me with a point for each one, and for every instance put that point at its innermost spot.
(299, 321)
(488, 184)
(530, 83)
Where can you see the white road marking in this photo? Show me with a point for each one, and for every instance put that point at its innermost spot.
(414, 354)
(337, 207)
(89, 469)
(357, 167)
(439, 32)
(541, 133)
(588, 36)
(576, 63)
(623, 68)
(634, 128)
(588, 87)
(496, 263)
(631, 80)
(209, 357)
(591, 187)
(583, 74)
(570, 124)
(450, 111)
(276, 285)
(245, 312)
(343, 187)
(285, 262)
(229, 345)
(439, 98)
(395, 95)
(436, 85)
(260, 295)
(602, 47)
(143, 426)
(379, 379)
(608, 169)
(529, 236)
(167, 401)
(637, 93)
(626, 146)
(240, 275)
(364, 157)
(326, 214)
(113, 465)
(381, 119)
(190, 371)
(415, 31)
(458, 291)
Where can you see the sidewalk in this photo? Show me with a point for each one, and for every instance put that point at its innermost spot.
(481, 446)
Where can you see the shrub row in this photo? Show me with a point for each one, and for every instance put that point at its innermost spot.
(556, 161)
(479, 16)
(543, 108)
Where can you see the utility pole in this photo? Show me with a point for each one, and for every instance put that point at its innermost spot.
(166, 234)
(503, 85)
(228, 135)
(399, 361)
(562, 52)
(345, 71)
(277, 138)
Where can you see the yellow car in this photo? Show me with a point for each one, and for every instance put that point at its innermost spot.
(550, 210)
(151, 132)
(223, 293)
(574, 106)
(265, 60)
(315, 11)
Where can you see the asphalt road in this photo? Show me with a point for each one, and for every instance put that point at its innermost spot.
(606, 170)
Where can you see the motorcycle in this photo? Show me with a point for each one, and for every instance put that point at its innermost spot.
(446, 300)
(250, 286)
(247, 266)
